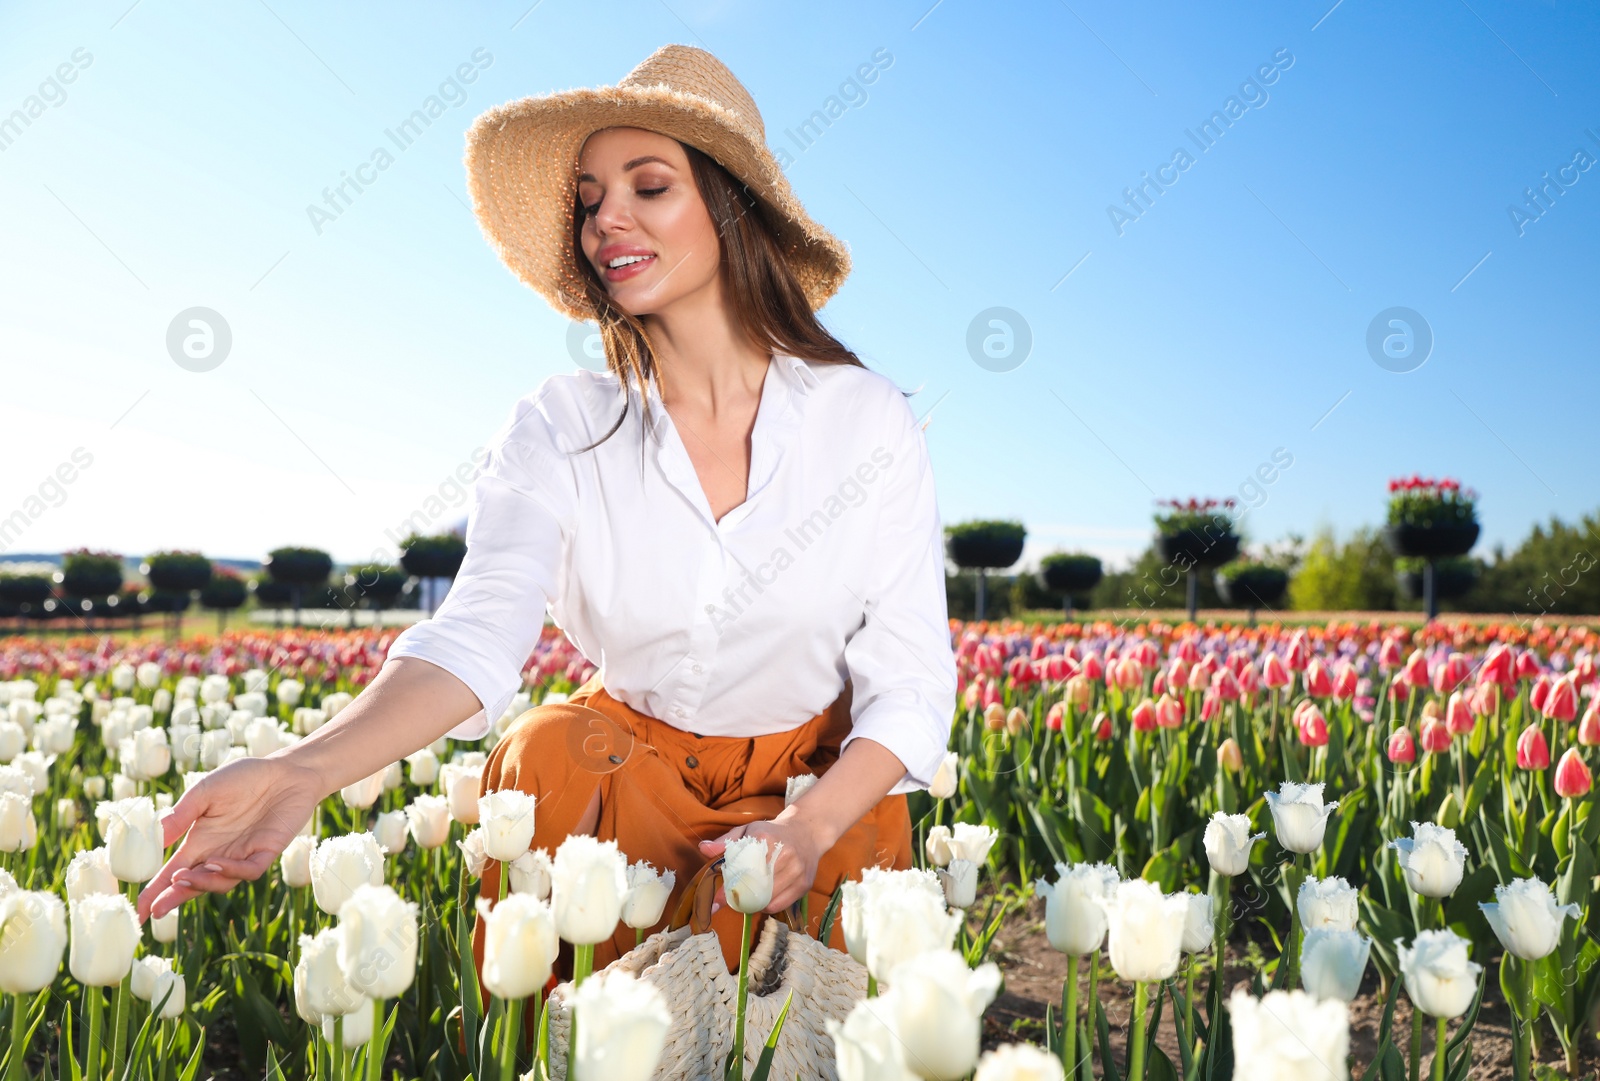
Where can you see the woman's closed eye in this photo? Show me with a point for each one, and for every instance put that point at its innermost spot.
(648, 193)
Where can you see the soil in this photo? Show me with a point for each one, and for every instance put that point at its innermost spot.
(1034, 974)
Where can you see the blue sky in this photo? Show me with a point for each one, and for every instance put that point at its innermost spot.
(1172, 353)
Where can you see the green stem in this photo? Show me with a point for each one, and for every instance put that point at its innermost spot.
(638, 937)
(1416, 1043)
(93, 1052)
(1069, 1019)
(1188, 1012)
(1525, 1048)
(123, 1008)
(744, 991)
(1094, 1004)
(1440, 1041)
(872, 986)
(505, 879)
(513, 1032)
(376, 1044)
(337, 1049)
(1136, 1039)
(1292, 948)
(19, 1033)
(582, 963)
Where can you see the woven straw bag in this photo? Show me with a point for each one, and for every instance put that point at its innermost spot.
(688, 968)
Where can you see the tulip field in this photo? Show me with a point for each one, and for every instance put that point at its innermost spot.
(1360, 809)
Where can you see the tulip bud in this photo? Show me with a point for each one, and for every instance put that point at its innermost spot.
(1273, 672)
(1332, 963)
(320, 989)
(1016, 721)
(647, 895)
(1074, 920)
(1330, 903)
(133, 838)
(1143, 716)
(429, 820)
(1229, 756)
(624, 1029)
(472, 852)
(1228, 842)
(390, 830)
(1144, 931)
(423, 767)
(1299, 817)
(1078, 693)
(1402, 748)
(530, 874)
(33, 936)
(519, 945)
(937, 845)
(1532, 750)
(341, 864)
(1589, 727)
(589, 880)
(747, 868)
(1313, 727)
(364, 793)
(295, 863)
(1102, 727)
(960, 880)
(1562, 701)
(1289, 1034)
(1458, 715)
(1169, 713)
(994, 717)
(18, 830)
(460, 785)
(1572, 775)
(1526, 919)
(357, 1026)
(105, 930)
(1319, 683)
(936, 1004)
(154, 981)
(90, 872)
(507, 820)
(1439, 979)
(378, 941)
(1199, 922)
(944, 782)
(164, 929)
(1435, 736)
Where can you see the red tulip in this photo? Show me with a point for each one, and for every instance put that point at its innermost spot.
(1144, 716)
(1415, 673)
(1318, 682)
(1200, 675)
(1248, 681)
(1052, 719)
(1040, 648)
(1402, 748)
(1532, 751)
(1527, 666)
(1589, 727)
(1188, 652)
(1273, 673)
(1485, 699)
(1147, 654)
(1210, 705)
(1435, 736)
(1158, 686)
(1496, 667)
(991, 693)
(1313, 728)
(1389, 654)
(1562, 701)
(1583, 672)
(1058, 669)
(1458, 715)
(1178, 674)
(1225, 685)
(1541, 691)
(1127, 673)
(1344, 681)
(1169, 713)
(1102, 727)
(1298, 653)
(1572, 775)
(1093, 667)
(1452, 673)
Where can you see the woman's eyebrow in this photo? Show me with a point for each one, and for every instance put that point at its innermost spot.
(634, 164)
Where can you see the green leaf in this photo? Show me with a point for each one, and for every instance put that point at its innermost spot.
(1108, 1061)
(829, 914)
(764, 1063)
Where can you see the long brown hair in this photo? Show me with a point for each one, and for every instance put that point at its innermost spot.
(770, 307)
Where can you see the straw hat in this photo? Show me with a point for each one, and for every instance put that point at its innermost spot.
(522, 168)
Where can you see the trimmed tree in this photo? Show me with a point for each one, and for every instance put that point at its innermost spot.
(297, 569)
(985, 545)
(438, 556)
(223, 593)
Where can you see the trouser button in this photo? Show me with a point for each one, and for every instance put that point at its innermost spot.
(691, 761)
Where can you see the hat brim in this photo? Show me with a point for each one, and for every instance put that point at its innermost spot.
(521, 161)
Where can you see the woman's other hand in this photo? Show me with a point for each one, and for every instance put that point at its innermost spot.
(796, 867)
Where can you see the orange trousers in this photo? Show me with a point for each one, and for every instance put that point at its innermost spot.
(664, 790)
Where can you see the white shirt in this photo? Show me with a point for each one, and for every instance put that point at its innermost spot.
(832, 567)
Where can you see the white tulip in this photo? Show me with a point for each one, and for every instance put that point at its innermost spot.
(460, 785)
(945, 778)
(1199, 922)
(105, 930)
(289, 692)
(903, 920)
(423, 767)
(1228, 843)
(646, 899)
(1331, 903)
(1019, 1062)
(90, 872)
(1526, 918)
(253, 701)
(185, 742)
(390, 830)
(193, 778)
(306, 720)
(363, 793)
(33, 935)
(960, 879)
(1144, 930)
(153, 979)
(1074, 916)
(18, 830)
(148, 674)
(1333, 962)
(8, 885)
(188, 688)
(1440, 981)
(37, 767)
(507, 820)
(333, 703)
(255, 681)
(853, 918)
(161, 701)
(622, 1028)
(357, 1026)
(122, 677)
(262, 736)
(936, 1003)
(1299, 817)
(747, 866)
(133, 837)
(16, 780)
(429, 820)
(215, 717)
(1432, 859)
(66, 812)
(55, 735)
(472, 852)
(865, 1047)
(797, 786)
(378, 941)
(123, 788)
(519, 945)
(320, 989)
(937, 846)
(1289, 1034)
(530, 874)
(164, 929)
(588, 881)
(340, 865)
(214, 747)
(969, 842)
(13, 740)
(145, 755)
(295, 862)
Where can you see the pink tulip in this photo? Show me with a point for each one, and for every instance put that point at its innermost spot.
(1415, 673)
(1102, 727)
(1589, 727)
(1402, 748)
(1572, 775)
(1144, 716)
(1298, 653)
(1562, 701)
(1532, 750)
(1435, 737)
(1313, 728)
(1458, 714)
(1273, 673)
(1169, 713)
(1344, 681)
(1318, 682)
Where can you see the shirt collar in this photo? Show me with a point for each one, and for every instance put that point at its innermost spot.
(797, 376)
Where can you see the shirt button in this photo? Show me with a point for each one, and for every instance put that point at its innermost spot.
(698, 669)
(691, 761)
(677, 711)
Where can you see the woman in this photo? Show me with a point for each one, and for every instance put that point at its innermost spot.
(737, 522)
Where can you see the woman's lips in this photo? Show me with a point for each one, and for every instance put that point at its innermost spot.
(623, 273)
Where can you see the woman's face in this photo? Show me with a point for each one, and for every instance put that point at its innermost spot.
(641, 206)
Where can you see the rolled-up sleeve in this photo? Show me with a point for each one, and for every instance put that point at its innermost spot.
(900, 662)
(523, 506)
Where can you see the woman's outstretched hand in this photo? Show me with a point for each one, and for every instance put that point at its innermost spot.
(233, 824)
